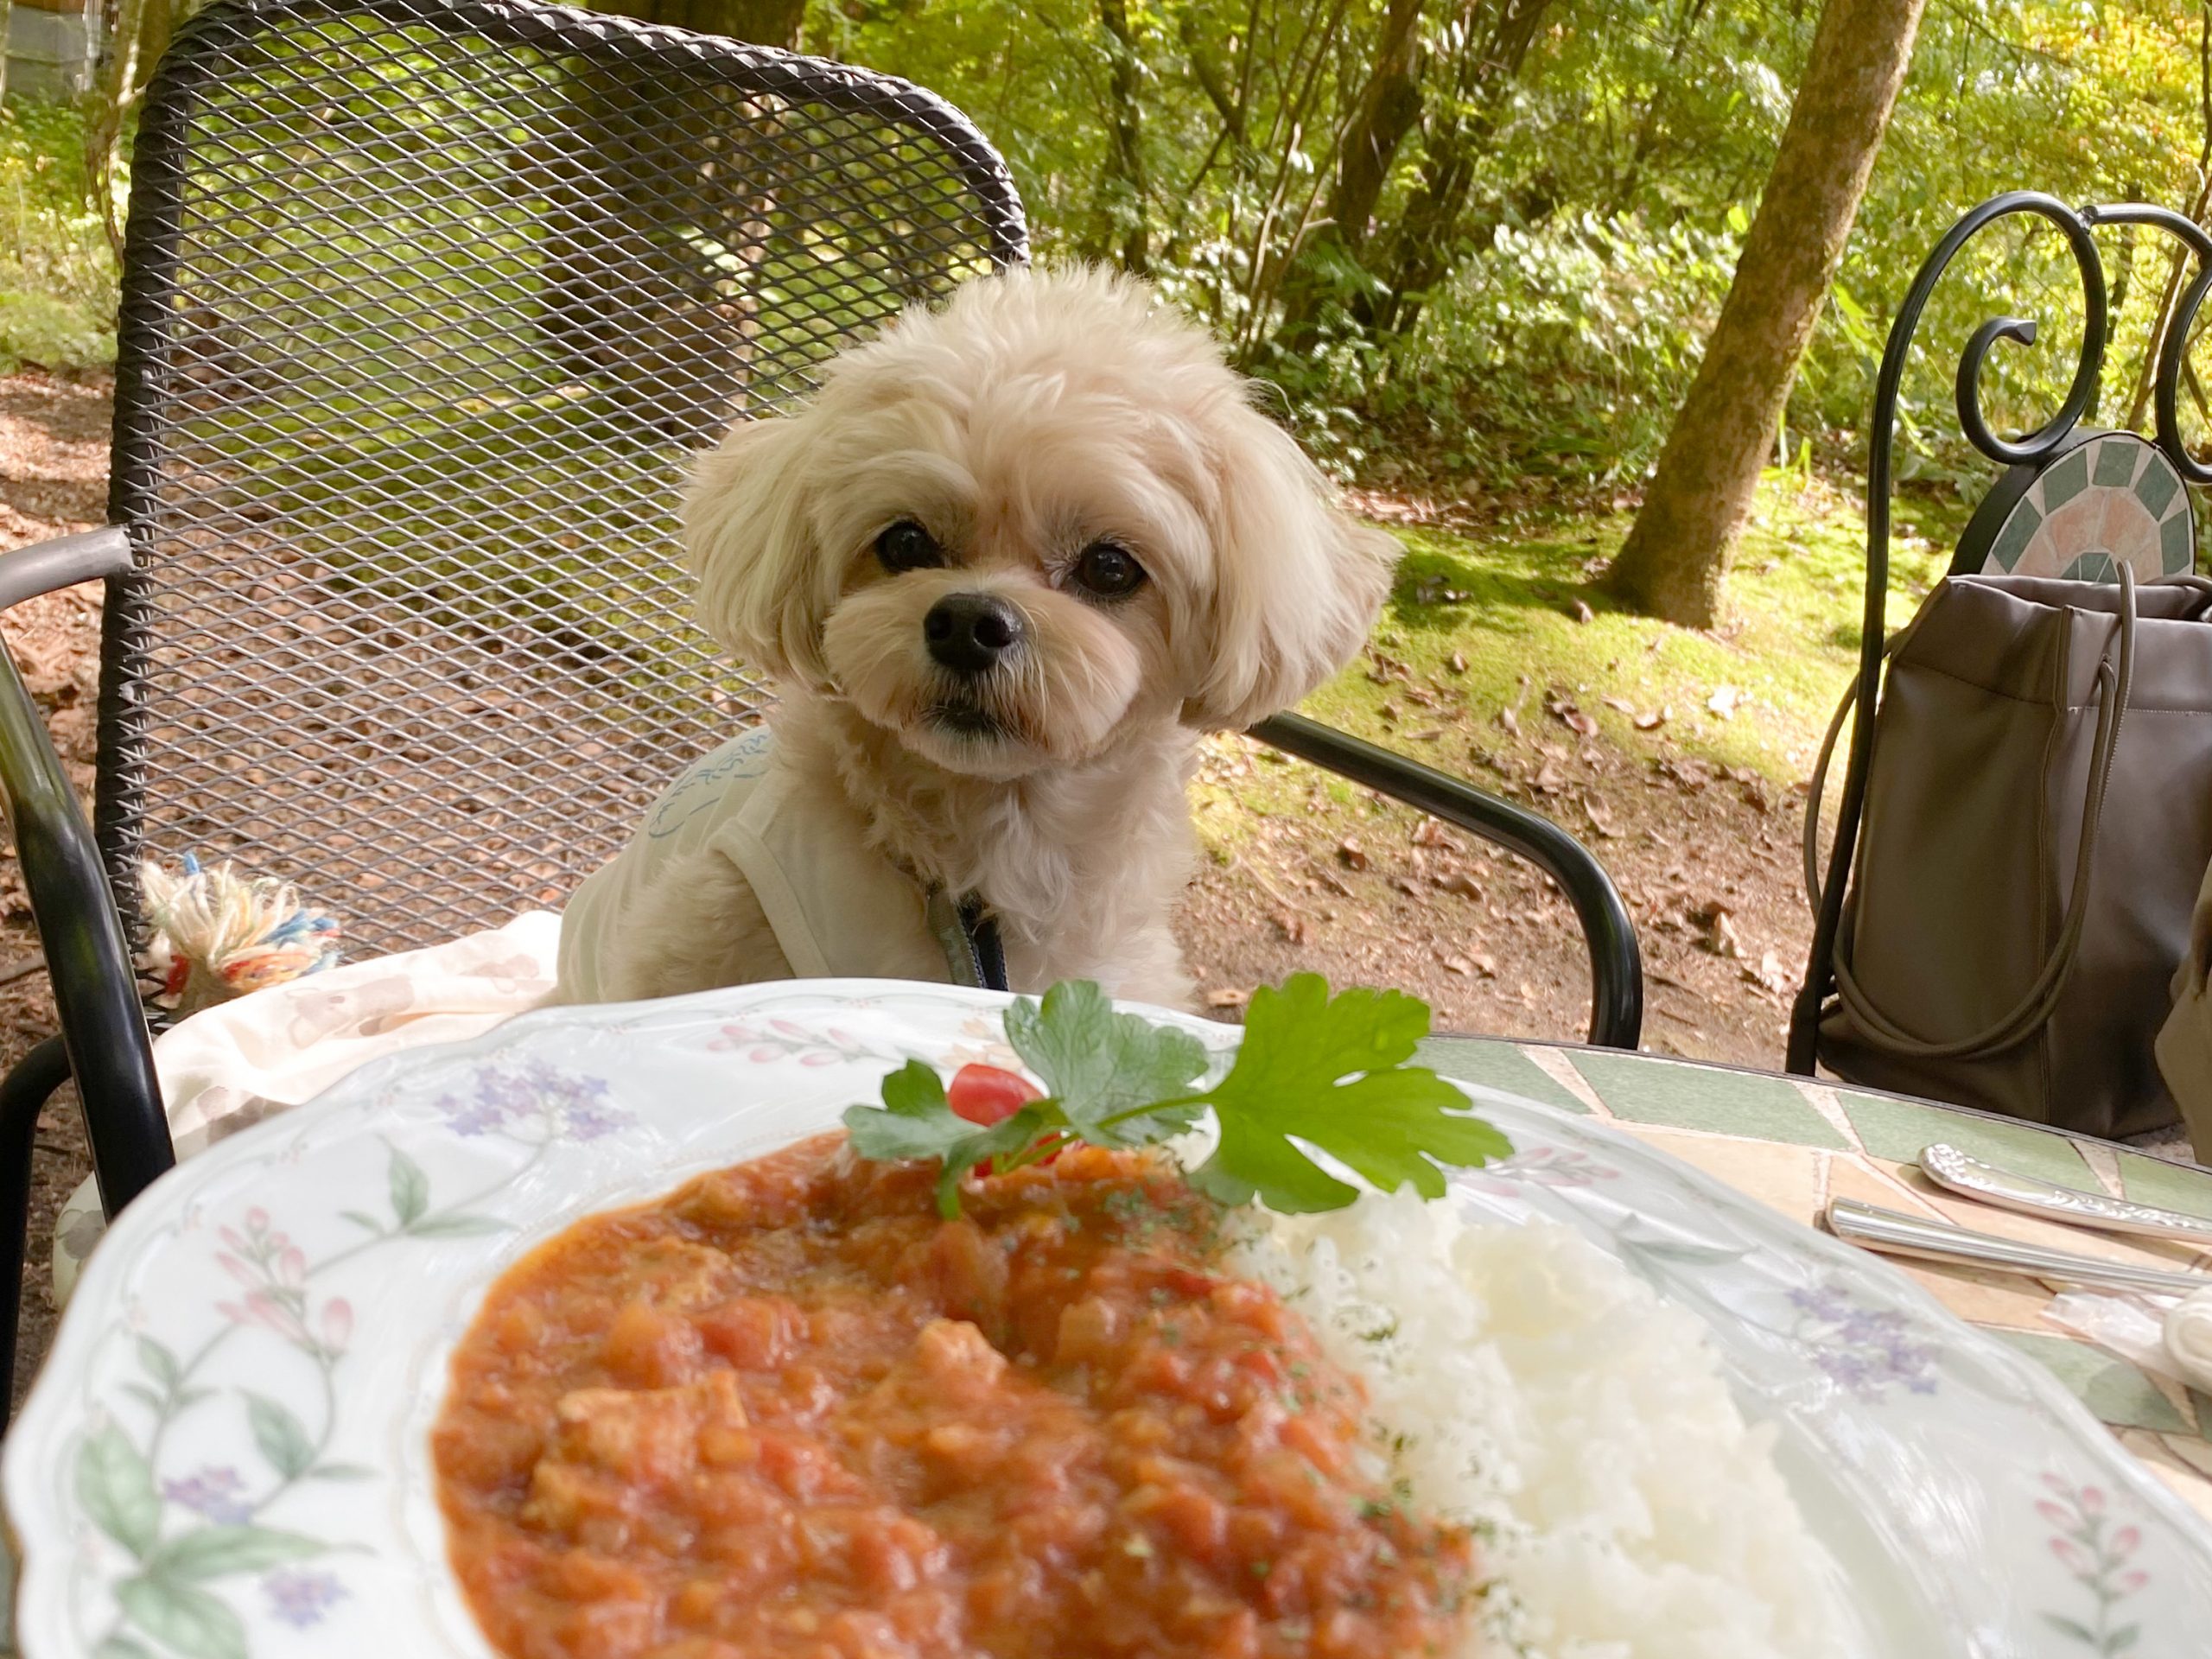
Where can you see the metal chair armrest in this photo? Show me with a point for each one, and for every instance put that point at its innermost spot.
(26, 572)
(1615, 960)
(95, 988)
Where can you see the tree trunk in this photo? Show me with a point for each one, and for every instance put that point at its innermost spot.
(1426, 247)
(650, 229)
(1675, 562)
(2170, 299)
(120, 80)
(156, 24)
(1646, 142)
(1125, 182)
(1389, 106)
(1206, 68)
(2123, 284)
(761, 22)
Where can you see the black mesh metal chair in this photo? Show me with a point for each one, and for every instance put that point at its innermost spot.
(424, 306)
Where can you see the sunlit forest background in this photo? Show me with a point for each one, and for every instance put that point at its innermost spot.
(1511, 305)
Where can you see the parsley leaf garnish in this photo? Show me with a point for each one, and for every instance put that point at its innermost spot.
(1097, 1065)
(916, 1122)
(1331, 1072)
(1314, 1071)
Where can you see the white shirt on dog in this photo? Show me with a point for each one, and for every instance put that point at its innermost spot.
(839, 908)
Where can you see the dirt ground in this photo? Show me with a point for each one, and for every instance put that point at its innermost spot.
(1369, 895)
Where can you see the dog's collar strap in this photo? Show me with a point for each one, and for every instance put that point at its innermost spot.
(970, 934)
(982, 930)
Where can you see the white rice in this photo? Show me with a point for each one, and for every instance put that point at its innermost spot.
(1528, 1385)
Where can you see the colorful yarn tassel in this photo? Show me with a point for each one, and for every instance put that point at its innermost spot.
(215, 934)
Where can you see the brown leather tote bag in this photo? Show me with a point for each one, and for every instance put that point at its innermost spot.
(2038, 815)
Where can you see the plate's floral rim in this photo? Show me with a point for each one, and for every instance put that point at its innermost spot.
(224, 1530)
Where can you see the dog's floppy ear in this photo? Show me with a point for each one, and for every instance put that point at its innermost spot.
(747, 536)
(1297, 583)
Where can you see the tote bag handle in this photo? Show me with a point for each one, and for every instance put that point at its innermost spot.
(2115, 684)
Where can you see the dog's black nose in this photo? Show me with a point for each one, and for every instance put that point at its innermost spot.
(969, 633)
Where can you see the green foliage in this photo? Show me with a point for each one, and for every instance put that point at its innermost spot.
(1609, 179)
(58, 283)
(1614, 182)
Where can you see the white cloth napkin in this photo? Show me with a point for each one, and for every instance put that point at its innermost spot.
(2189, 1338)
(2168, 1335)
(228, 1067)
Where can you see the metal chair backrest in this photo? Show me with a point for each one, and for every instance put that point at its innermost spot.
(427, 303)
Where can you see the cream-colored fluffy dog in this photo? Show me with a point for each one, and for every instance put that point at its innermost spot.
(1015, 555)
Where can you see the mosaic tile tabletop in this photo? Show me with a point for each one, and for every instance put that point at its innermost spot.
(1794, 1143)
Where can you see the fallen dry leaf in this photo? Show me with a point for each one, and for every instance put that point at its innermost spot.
(1547, 779)
(1457, 662)
(1620, 705)
(1692, 775)
(1581, 612)
(1654, 721)
(1562, 708)
(1428, 736)
(1389, 711)
(1461, 883)
(1770, 975)
(1430, 832)
(1600, 816)
(1725, 701)
(1228, 999)
(1510, 720)
(1720, 936)
(1353, 854)
(1290, 925)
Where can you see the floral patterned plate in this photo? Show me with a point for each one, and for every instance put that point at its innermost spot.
(227, 1456)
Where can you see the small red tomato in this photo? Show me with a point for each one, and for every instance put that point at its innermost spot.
(988, 1094)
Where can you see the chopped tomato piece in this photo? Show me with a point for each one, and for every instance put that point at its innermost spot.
(988, 1094)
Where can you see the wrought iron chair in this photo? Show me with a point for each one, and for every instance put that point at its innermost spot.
(2074, 501)
(425, 302)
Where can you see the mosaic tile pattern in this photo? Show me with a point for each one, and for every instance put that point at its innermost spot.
(2114, 501)
(1794, 1143)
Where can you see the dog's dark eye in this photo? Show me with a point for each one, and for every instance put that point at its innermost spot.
(907, 546)
(1108, 571)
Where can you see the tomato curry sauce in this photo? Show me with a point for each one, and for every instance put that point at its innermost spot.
(787, 1413)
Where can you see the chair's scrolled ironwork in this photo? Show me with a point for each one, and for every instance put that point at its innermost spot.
(2078, 226)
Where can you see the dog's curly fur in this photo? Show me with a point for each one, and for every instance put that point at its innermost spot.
(1034, 415)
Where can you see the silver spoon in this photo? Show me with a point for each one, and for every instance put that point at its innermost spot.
(1968, 1176)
